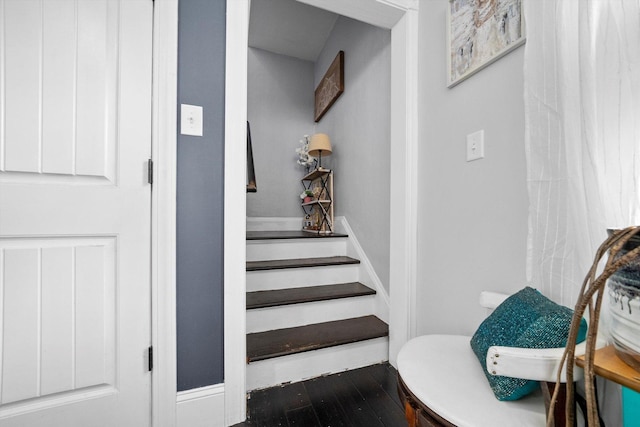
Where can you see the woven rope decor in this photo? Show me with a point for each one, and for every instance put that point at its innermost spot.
(590, 298)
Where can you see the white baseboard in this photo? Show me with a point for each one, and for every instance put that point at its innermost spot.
(201, 407)
(368, 275)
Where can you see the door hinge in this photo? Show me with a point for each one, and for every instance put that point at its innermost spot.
(150, 171)
(150, 358)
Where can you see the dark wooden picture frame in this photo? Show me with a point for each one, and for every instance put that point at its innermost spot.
(330, 87)
(252, 186)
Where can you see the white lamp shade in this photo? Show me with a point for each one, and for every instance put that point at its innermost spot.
(320, 144)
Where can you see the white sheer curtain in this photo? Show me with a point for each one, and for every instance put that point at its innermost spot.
(582, 104)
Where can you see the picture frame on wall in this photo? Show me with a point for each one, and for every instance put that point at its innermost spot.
(330, 87)
(479, 32)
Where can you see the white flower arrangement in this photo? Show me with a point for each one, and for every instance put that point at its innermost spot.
(304, 159)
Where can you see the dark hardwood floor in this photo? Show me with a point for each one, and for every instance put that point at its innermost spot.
(364, 397)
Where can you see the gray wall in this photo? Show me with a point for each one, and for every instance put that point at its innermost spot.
(359, 127)
(472, 216)
(201, 62)
(280, 111)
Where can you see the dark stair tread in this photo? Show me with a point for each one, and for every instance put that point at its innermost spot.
(300, 262)
(289, 234)
(277, 297)
(282, 342)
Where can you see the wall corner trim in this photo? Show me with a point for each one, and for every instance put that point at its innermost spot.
(235, 211)
(404, 178)
(401, 4)
(163, 272)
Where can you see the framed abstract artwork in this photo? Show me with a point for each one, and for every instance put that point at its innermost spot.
(330, 87)
(480, 32)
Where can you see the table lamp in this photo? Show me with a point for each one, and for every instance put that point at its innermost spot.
(320, 143)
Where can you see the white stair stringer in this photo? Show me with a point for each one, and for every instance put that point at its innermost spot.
(266, 250)
(312, 364)
(366, 273)
(288, 316)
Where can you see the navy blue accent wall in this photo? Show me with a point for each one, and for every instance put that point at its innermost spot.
(200, 227)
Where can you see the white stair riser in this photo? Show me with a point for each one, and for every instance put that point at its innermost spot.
(311, 364)
(299, 277)
(263, 250)
(288, 316)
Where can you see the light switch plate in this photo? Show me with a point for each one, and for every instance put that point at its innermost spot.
(190, 120)
(475, 145)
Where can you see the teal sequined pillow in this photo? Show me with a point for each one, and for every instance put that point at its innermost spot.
(526, 319)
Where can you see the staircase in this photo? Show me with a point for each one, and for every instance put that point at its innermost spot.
(308, 314)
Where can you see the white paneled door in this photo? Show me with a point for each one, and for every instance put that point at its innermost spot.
(75, 137)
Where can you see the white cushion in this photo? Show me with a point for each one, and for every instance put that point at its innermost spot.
(444, 373)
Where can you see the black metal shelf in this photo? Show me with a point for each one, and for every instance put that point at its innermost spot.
(321, 208)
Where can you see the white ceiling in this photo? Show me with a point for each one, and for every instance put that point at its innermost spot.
(290, 28)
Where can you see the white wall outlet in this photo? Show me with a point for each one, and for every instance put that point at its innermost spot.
(475, 145)
(190, 120)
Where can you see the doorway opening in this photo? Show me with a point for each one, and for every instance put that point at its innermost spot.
(402, 20)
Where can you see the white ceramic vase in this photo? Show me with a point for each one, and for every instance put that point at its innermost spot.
(624, 307)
